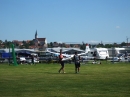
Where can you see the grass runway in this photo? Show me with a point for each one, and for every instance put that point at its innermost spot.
(43, 80)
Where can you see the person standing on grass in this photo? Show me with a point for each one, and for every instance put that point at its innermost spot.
(32, 58)
(61, 62)
(77, 62)
(94, 55)
(126, 56)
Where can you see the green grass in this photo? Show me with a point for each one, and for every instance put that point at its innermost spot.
(43, 80)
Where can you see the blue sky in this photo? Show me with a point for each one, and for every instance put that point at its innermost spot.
(65, 20)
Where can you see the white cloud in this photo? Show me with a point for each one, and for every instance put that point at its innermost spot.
(117, 27)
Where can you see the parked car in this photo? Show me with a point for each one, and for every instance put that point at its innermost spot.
(122, 59)
(30, 60)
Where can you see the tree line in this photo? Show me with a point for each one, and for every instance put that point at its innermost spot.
(27, 45)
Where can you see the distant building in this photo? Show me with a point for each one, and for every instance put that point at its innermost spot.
(55, 44)
(40, 43)
(17, 43)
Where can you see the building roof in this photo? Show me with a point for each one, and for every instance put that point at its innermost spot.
(41, 39)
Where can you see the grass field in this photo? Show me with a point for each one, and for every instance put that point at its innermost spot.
(43, 80)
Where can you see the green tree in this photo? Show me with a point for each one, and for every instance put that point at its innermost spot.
(31, 43)
(115, 45)
(6, 44)
(100, 45)
(71, 45)
(24, 42)
(123, 44)
(21, 47)
(1, 41)
(108, 45)
(48, 45)
(51, 44)
(83, 46)
(63, 44)
(26, 46)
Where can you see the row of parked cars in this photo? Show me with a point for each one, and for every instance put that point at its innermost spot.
(23, 60)
(121, 58)
(20, 60)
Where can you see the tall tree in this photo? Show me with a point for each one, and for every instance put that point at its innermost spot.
(123, 44)
(51, 44)
(100, 45)
(1, 41)
(83, 46)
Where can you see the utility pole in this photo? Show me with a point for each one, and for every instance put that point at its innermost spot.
(127, 40)
(113, 52)
(9, 52)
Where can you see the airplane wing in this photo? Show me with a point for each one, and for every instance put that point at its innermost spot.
(68, 58)
(81, 54)
(56, 54)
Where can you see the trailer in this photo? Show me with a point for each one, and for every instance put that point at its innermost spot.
(101, 53)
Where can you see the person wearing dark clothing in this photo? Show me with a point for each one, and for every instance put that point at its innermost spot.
(77, 62)
(94, 55)
(32, 58)
(61, 62)
(126, 54)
